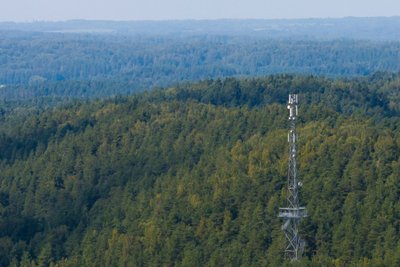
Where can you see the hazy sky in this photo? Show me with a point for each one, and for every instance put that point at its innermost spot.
(31, 10)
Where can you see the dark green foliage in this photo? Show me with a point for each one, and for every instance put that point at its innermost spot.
(194, 175)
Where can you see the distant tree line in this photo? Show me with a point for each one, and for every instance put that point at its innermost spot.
(34, 64)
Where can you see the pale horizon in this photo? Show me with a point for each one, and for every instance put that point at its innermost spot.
(190, 19)
(156, 10)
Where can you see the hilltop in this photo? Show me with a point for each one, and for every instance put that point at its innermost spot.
(193, 175)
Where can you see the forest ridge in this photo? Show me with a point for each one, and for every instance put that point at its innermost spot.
(68, 59)
(194, 175)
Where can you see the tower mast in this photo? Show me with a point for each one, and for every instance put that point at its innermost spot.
(293, 213)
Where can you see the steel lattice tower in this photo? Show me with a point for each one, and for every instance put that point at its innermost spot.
(293, 213)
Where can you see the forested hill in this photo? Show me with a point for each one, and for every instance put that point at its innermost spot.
(96, 65)
(194, 176)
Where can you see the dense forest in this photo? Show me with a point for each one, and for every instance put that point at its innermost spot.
(194, 174)
(34, 64)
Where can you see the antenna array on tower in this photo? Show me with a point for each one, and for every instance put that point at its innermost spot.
(293, 213)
